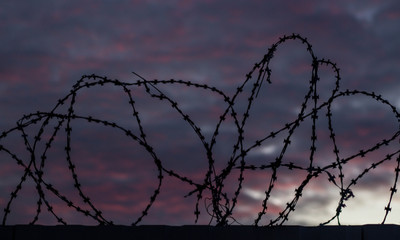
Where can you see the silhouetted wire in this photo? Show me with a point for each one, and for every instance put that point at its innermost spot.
(221, 207)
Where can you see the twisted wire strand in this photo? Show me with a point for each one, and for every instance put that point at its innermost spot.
(221, 206)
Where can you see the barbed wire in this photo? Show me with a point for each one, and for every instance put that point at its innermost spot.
(221, 207)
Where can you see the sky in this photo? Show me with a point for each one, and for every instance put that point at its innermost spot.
(47, 46)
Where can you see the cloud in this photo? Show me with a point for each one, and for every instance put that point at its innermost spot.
(47, 46)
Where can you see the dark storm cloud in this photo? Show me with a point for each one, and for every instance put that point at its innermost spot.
(46, 46)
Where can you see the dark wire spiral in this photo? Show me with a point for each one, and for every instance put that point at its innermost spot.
(221, 207)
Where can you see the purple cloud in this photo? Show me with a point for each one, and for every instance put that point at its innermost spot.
(46, 47)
